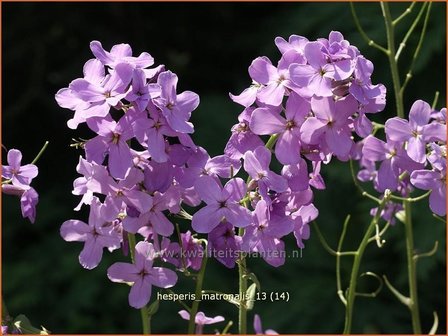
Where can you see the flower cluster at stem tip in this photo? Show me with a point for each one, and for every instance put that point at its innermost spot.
(141, 166)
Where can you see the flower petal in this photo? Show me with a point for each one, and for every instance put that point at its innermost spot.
(74, 230)
(265, 121)
(162, 277)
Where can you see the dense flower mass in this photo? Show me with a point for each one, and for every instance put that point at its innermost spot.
(141, 165)
(142, 168)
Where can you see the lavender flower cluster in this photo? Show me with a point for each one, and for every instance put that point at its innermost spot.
(142, 166)
(413, 155)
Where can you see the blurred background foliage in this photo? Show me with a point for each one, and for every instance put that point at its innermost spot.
(210, 47)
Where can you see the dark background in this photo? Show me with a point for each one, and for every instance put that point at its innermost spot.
(210, 47)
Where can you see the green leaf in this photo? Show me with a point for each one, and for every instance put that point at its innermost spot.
(153, 307)
(22, 323)
(254, 279)
(251, 291)
(401, 216)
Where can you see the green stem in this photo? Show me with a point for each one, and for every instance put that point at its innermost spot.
(143, 311)
(242, 308)
(338, 262)
(369, 41)
(404, 14)
(392, 62)
(417, 50)
(409, 33)
(271, 141)
(351, 294)
(146, 320)
(242, 280)
(42, 150)
(408, 199)
(198, 294)
(412, 273)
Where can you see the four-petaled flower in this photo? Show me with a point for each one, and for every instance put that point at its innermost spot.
(142, 274)
(200, 320)
(96, 235)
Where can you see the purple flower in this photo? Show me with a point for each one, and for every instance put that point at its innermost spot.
(435, 181)
(28, 199)
(417, 132)
(142, 274)
(176, 108)
(248, 96)
(242, 138)
(222, 203)
(256, 164)
(263, 234)
(28, 203)
(258, 328)
(122, 192)
(200, 320)
(297, 175)
(394, 161)
(266, 121)
(388, 212)
(200, 164)
(98, 234)
(276, 81)
(153, 219)
(191, 251)
(111, 139)
(151, 132)
(318, 74)
(141, 92)
(223, 244)
(295, 42)
(120, 53)
(302, 217)
(20, 176)
(100, 94)
(330, 123)
(361, 87)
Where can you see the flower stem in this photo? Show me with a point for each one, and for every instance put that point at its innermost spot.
(351, 294)
(412, 274)
(242, 309)
(392, 61)
(198, 294)
(42, 150)
(143, 311)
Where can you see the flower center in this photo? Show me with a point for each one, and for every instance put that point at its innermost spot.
(290, 124)
(115, 138)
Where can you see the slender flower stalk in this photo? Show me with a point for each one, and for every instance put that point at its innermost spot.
(143, 311)
(412, 270)
(391, 53)
(242, 309)
(198, 294)
(351, 293)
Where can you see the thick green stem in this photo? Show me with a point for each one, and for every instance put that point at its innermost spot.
(198, 294)
(392, 62)
(143, 311)
(412, 274)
